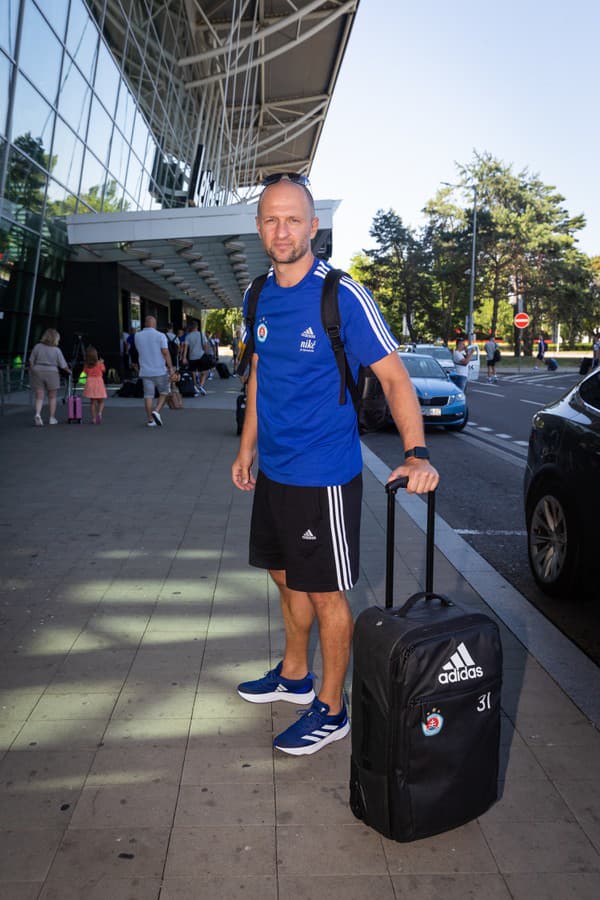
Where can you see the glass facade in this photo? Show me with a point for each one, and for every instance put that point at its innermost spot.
(82, 129)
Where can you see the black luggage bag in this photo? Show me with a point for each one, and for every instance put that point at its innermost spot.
(222, 370)
(425, 708)
(240, 410)
(186, 384)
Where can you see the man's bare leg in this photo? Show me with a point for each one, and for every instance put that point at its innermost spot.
(335, 634)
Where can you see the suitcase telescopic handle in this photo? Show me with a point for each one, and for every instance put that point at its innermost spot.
(391, 488)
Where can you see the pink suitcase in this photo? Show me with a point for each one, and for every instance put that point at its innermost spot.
(75, 411)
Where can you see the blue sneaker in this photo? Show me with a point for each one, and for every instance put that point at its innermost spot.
(313, 730)
(273, 687)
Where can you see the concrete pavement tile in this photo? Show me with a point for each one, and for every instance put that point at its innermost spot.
(136, 763)
(548, 847)
(462, 850)
(8, 732)
(20, 890)
(329, 765)
(517, 701)
(45, 769)
(20, 671)
(92, 669)
(230, 850)
(147, 805)
(335, 887)
(323, 850)
(219, 676)
(303, 803)
(518, 761)
(223, 764)
(540, 730)
(76, 734)
(570, 762)
(55, 707)
(583, 798)
(226, 804)
(534, 886)
(164, 733)
(450, 887)
(229, 705)
(39, 807)
(529, 800)
(149, 702)
(115, 888)
(90, 854)
(170, 640)
(17, 704)
(243, 887)
(231, 732)
(27, 851)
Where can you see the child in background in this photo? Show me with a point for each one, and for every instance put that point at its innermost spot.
(95, 389)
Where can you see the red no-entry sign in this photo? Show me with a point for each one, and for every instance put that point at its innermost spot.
(521, 320)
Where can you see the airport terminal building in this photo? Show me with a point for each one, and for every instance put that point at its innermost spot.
(133, 137)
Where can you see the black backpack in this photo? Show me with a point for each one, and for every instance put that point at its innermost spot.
(330, 318)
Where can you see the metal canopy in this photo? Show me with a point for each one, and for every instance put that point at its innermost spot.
(207, 257)
(248, 82)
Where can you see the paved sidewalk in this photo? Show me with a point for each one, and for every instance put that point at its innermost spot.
(129, 767)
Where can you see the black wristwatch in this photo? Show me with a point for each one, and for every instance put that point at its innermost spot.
(417, 452)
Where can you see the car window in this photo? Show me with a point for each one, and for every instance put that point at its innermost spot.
(423, 367)
(589, 391)
(437, 352)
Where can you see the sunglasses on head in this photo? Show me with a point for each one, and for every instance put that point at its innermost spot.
(294, 177)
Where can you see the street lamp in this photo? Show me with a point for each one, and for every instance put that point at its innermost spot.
(470, 328)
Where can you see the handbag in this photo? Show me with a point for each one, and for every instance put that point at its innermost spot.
(174, 399)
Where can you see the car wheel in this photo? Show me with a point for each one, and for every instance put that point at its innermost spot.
(552, 539)
(459, 425)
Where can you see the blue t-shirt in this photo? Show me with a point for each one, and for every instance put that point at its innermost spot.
(304, 436)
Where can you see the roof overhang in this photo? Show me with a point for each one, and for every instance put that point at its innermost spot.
(206, 257)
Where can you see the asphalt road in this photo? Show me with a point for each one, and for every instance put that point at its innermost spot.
(481, 489)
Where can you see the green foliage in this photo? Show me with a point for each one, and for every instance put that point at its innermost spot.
(223, 323)
(525, 252)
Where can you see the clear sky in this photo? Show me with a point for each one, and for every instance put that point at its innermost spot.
(423, 85)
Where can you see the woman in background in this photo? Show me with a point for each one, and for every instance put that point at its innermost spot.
(46, 362)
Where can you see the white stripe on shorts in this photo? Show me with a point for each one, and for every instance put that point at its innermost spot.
(338, 537)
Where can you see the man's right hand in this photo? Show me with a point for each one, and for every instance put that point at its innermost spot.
(241, 471)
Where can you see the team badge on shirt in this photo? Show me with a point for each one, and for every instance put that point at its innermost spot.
(262, 332)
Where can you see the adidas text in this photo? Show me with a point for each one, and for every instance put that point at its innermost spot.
(460, 675)
(308, 536)
(460, 667)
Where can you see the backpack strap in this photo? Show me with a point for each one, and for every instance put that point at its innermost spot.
(330, 318)
(255, 289)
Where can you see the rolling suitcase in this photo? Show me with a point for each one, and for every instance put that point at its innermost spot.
(74, 406)
(425, 708)
(222, 370)
(240, 410)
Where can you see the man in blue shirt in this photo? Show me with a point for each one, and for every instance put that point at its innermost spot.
(306, 512)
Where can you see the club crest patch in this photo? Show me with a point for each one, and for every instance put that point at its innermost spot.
(433, 724)
(262, 332)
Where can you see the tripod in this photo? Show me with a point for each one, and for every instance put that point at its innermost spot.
(77, 357)
(76, 364)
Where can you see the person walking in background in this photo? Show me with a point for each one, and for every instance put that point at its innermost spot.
(542, 346)
(491, 353)
(596, 351)
(95, 389)
(46, 362)
(307, 503)
(155, 368)
(173, 345)
(194, 353)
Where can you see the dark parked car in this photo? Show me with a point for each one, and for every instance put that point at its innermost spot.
(562, 491)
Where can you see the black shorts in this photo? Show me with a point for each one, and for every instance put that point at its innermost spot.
(202, 364)
(312, 533)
